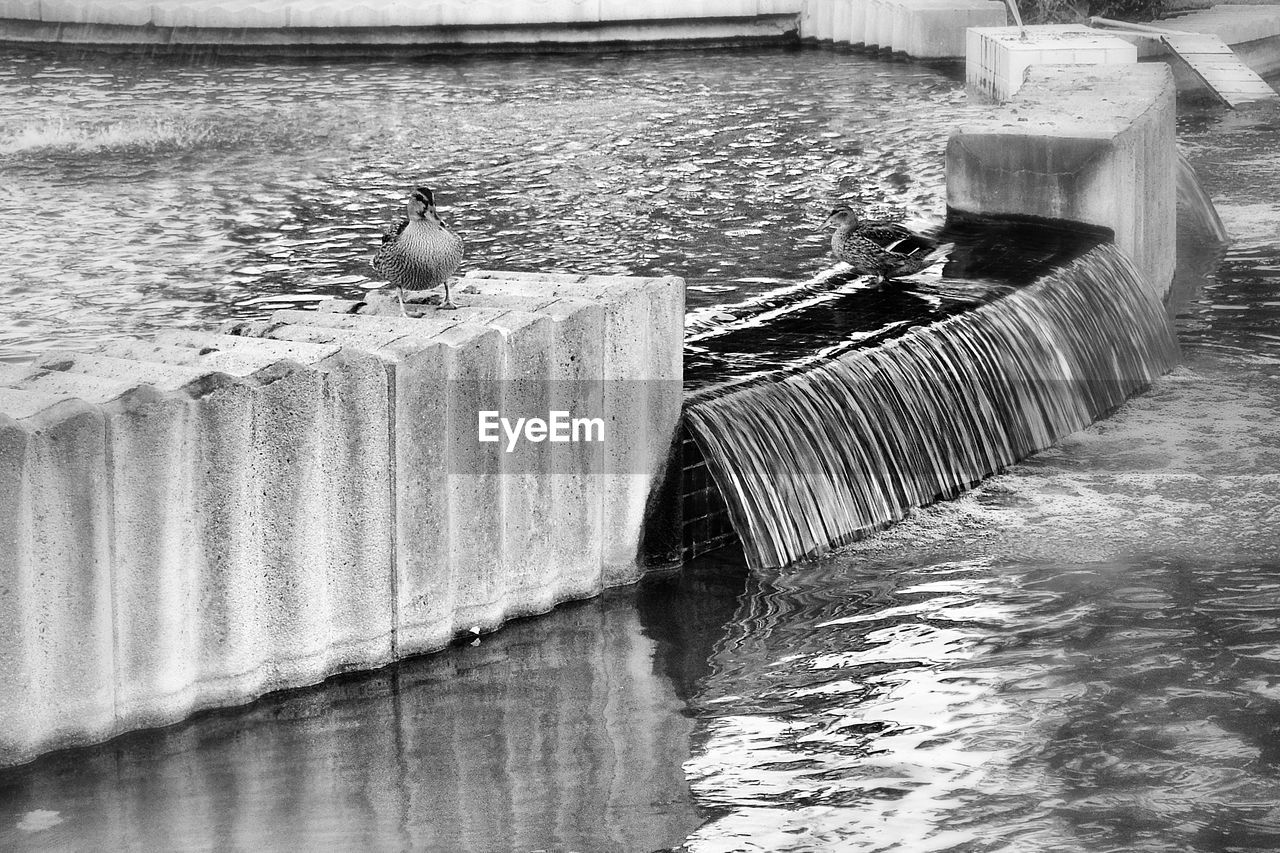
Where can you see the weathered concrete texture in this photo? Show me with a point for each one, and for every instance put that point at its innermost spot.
(195, 521)
(923, 29)
(56, 650)
(997, 58)
(642, 394)
(1092, 144)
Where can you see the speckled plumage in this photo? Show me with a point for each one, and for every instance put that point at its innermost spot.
(881, 248)
(419, 252)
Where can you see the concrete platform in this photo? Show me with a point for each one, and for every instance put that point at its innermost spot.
(194, 521)
(1091, 144)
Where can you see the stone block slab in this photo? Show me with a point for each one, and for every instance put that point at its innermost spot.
(1091, 144)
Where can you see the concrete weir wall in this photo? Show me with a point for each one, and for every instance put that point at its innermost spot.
(197, 520)
(1083, 143)
(921, 29)
(388, 24)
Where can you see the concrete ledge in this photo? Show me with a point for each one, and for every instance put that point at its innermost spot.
(194, 521)
(1092, 144)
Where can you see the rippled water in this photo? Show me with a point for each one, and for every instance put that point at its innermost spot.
(1081, 655)
(143, 195)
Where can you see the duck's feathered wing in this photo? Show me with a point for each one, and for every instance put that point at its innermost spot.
(896, 238)
(389, 237)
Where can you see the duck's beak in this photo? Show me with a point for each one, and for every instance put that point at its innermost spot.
(826, 223)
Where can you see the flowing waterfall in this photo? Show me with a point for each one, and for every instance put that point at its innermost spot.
(813, 458)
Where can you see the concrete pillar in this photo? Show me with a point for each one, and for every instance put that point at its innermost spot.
(1092, 144)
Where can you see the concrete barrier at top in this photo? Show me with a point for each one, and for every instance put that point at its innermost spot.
(1087, 143)
(194, 521)
(920, 29)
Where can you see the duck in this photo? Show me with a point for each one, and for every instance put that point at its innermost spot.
(880, 247)
(419, 252)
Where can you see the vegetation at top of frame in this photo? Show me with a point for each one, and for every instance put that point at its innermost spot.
(1073, 11)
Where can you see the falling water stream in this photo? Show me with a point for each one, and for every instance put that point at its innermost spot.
(815, 459)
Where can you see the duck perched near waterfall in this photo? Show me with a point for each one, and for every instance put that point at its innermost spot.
(879, 247)
(419, 252)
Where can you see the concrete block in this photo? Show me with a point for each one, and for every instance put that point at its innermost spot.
(997, 58)
(424, 594)
(881, 35)
(198, 554)
(857, 35)
(1092, 144)
(20, 10)
(872, 10)
(153, 561)
(841, 21)
(640, 375)
(321, 458)
(821, 19)
(56, 643)
(938, 31)
(492, 12)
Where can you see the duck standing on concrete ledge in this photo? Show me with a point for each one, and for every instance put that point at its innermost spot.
(877, 247)
(419, 252)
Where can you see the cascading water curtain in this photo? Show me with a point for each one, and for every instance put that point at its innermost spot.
(811, 460)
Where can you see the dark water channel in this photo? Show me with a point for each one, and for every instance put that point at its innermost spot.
(1082, 654)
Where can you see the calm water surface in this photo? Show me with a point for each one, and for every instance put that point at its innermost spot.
(1081, 655)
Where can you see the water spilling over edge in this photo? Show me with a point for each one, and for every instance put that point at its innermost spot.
(819, 458)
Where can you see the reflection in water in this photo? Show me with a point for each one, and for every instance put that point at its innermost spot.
(560, 733)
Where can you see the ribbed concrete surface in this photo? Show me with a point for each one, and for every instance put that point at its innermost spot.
(258, 14)
(197, 520)
(922, 29)
(1090, 143)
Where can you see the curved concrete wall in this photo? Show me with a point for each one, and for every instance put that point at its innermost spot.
(376, 13)
(196, 521)
(922, 29)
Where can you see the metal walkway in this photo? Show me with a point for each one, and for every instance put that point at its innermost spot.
(1216, 64)
(1209, 58)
